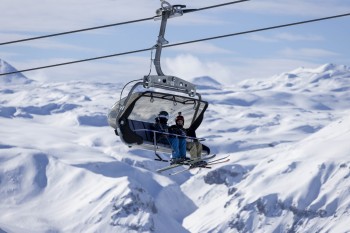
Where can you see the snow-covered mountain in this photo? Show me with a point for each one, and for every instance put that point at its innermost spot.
(62, 169)
(16, 78)
(206, 83)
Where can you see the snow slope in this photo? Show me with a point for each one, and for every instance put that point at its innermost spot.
(62, 169)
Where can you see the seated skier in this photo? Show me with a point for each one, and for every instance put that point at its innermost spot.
(178, 143)
(193, 145)
(161, 125)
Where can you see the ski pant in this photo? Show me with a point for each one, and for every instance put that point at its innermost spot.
(179, 147)
(195, 149)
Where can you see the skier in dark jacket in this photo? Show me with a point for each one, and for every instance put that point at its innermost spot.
(178, 143)
(161, 125)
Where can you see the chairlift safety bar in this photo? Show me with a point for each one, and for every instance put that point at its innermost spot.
(170, 134)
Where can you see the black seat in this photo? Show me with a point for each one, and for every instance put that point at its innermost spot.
(145, 130)
(142, 128)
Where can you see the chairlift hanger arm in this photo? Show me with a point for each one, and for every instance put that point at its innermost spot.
(164, 13)
(161, 80)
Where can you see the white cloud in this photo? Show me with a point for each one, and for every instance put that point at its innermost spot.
(199, 19)
(120, 69)
(285, 37)
(187, 66)
(297, 7)
(261, 38)
(50, 15)
(201, 48)
(8, 55)
(53, 44)
(56, 16)
(266, 67)
(307, 53)
(296, 37)
(231, 71)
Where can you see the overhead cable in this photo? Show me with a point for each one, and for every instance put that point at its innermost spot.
(75, 31)
(219, 5)
(78, 61)
(183, 43)
(112, 25)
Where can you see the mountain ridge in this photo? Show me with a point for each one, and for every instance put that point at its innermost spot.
(63, 169)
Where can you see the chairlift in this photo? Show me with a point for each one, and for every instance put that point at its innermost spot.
(133, 116)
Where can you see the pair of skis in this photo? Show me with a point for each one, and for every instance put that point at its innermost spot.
(188, 162)
(208, 165)
(192, 164)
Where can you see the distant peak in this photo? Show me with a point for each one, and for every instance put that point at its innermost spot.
(328, 66)
(206, 82)
(17, 78)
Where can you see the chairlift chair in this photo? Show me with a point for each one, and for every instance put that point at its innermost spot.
(134, 115)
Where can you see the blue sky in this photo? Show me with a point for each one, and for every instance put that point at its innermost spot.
(228, 60)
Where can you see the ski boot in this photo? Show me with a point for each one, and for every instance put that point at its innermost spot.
(199, 164)
(181, 160)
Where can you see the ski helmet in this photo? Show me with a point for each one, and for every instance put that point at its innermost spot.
(163, 114)
(180, 117)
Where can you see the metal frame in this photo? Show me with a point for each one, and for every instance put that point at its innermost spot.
(161, 80)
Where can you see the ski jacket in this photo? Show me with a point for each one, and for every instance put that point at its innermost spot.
(161, 127)
(175, 129)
